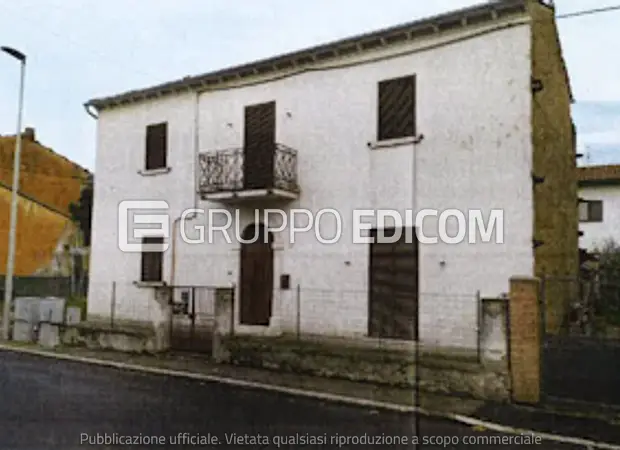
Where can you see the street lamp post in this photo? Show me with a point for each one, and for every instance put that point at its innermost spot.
(10, 263)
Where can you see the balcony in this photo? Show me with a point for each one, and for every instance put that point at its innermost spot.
(265, 172)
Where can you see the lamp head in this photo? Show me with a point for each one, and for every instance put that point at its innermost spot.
(14, 53)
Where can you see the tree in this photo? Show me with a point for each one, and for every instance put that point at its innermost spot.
(609, 282)
(81, 212)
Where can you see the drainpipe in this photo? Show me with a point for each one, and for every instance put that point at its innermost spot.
(175, 224)
(418, 139)
(192, 216)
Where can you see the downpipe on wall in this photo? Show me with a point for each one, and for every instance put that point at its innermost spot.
(419, 138)
(192, 216)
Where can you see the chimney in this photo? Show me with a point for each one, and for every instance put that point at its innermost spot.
(29, 134)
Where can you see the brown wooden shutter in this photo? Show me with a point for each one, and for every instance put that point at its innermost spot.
(152, 261)
(393, 286)
(156, 146)
(259, 146)
(396, 110)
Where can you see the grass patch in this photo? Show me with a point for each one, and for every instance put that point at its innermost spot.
(77, 301)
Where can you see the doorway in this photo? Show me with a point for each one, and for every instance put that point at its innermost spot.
(393, 285)
(256, 276)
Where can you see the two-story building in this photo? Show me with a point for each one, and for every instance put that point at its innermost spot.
(466, 110)
(599, 205)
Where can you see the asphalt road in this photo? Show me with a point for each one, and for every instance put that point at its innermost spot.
(50, 404)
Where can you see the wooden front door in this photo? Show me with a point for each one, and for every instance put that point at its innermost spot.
(256, 276)
(259, 145)
(393, 287)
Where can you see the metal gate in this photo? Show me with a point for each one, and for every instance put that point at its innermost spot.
(194, 317)
(581, 340)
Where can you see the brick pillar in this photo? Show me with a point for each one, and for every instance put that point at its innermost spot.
(524, 338)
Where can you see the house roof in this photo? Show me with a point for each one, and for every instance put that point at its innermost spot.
(38, 232)
(462, 18)
(46, 176)
(47, 180)
(51, 208)
(598, 175)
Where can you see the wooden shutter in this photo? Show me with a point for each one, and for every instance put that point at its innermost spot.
(152, 261)
(396, 111)
(259, 145)
(393, 286)
(156, 146)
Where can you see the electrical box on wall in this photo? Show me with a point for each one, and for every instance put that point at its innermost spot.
(285, 281)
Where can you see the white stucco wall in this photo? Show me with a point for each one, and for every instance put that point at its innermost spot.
(120, 155)
(596, 233)
(473, 108)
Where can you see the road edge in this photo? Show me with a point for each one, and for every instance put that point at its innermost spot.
(462, 419)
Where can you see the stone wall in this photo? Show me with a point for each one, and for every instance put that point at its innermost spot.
(123, 338)
(439, 373)
(554, 147)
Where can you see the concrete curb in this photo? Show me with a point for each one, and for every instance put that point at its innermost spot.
(471, 421)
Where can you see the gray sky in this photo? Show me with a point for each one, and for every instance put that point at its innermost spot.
(83, 49)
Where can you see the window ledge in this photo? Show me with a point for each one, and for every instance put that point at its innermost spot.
(149, 284)
(388, 143)
(152, 172)
(274, 246)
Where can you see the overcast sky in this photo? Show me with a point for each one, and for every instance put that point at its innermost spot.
(83, 49)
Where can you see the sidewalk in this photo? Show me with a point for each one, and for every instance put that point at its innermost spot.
(574, 423)
(566, 422)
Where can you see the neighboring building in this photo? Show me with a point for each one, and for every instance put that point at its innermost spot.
(599, 206)
(49, 183)
(469, 109)
(45, 175)
(41, 235)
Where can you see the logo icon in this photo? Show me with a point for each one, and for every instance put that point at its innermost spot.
(139, 219)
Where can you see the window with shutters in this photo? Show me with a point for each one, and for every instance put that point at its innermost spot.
(152, 259)
(396, 108)
(156, 146)
(591, 211)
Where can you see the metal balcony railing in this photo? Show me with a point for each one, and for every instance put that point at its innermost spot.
(229, 170)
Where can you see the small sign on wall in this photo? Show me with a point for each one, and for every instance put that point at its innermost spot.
(285, 281)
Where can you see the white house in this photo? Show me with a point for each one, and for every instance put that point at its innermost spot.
(438, 113)
(599, 207)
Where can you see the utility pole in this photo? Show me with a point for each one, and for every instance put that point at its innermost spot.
(10, 264)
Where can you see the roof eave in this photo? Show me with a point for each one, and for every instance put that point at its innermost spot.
(487, 12)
